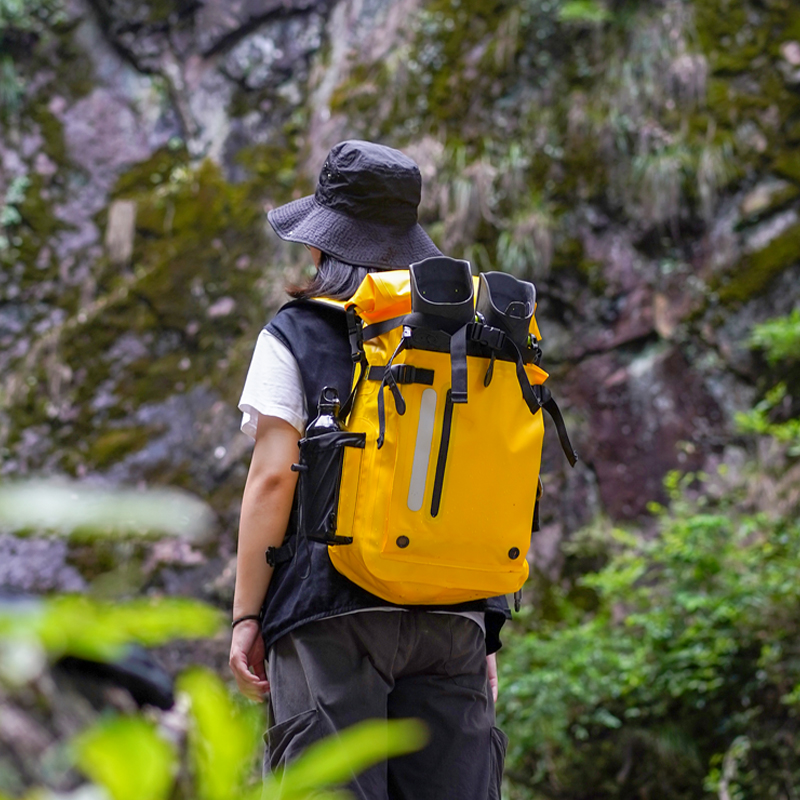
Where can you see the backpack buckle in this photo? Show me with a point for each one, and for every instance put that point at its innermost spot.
(488, 336)
(355, 334)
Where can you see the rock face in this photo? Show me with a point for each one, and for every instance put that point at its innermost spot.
(644, 174)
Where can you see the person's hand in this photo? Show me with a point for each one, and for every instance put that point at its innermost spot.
(247, 660)
(491, 668)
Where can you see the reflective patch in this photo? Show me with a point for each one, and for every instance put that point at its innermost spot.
(422, 450)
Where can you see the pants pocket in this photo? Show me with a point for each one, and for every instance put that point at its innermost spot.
(287, 740)
(499, 748)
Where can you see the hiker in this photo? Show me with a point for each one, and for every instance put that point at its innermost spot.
(337, 654)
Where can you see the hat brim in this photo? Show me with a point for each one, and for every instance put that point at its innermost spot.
(358, 242)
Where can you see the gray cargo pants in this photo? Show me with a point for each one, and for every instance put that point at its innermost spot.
(333, 673)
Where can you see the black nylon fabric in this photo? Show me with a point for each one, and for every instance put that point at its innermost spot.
(316, 335)
(370, 182)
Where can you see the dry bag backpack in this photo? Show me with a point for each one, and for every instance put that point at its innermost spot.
(424, 482)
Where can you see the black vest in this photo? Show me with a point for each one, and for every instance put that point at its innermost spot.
(308, 587)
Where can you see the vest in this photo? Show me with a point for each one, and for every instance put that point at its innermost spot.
(308, 587)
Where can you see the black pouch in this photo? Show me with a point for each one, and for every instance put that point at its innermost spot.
(320, 468)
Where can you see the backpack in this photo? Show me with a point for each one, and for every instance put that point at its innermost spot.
(425, 482)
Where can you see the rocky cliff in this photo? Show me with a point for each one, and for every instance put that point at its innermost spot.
(638, 161)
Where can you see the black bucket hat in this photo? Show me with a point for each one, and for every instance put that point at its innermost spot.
(364, 211)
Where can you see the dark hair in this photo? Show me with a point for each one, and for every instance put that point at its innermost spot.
(334, 279)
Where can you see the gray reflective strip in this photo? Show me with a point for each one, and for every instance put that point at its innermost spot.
(422, 450)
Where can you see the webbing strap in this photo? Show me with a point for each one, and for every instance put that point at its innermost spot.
(496, 341)
(388, 380)
(403, 373)
(548, 403)
(344, 411)
(458, 364)
(355, 334)
(377, 328)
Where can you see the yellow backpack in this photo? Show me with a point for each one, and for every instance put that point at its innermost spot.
(425, 482)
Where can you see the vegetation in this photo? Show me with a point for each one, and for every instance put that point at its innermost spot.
(131, 755)
(682, 680)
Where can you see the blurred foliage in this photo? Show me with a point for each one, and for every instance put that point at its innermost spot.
(682, 680)
(18, 17)
(776, 414)
(222, 738)
(75, 625)
(129, 757)
(22, 24)
(76, 509)
(779, 338)
(695, 643)
(137, 756)
(133, 760)
(585, 11)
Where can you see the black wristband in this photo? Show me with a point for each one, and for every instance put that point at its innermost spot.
(245, 617)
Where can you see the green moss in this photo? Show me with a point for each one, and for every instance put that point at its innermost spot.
(793, 131)
(199, 241)
(757, 270)
(276, 169)
(361, 93)
(115, 444)
(76, 71)
(446, 77)
(145, 176)
(52, 132)
(787, 165)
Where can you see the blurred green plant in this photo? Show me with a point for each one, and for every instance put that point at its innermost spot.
(682, 680)
(694, 644)
(19, 17)
(132, 760)
(779, 339)
(584, 11)
(76, 625)
(11, 87)
(72, 508)
(15, 193)
(131, 756)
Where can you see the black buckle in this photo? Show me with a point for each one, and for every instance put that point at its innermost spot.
(272, 559)
(487, 335)
(355, 335)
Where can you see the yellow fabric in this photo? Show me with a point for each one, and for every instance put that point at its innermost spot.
(383, 295)
(476, 546)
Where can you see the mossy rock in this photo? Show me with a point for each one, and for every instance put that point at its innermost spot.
(756, 271)
(188, 300)
(787, 165)
(115, 444)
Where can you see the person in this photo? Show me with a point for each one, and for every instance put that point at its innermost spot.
(336, 653)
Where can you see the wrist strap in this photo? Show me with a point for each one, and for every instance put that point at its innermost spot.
(243, 618)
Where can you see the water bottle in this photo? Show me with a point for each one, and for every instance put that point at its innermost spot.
(327, 419)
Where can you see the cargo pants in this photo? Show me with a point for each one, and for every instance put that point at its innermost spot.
(330, 674)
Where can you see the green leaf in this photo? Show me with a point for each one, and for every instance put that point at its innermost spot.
(584, 11)
(223, 738)
(128, 757)
(337, 759)
(80, 626)
(69, 507)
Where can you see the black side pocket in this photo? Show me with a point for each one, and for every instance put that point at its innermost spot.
(321, 460)
(499, 748)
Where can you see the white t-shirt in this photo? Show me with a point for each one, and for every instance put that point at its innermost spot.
(273, 387)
